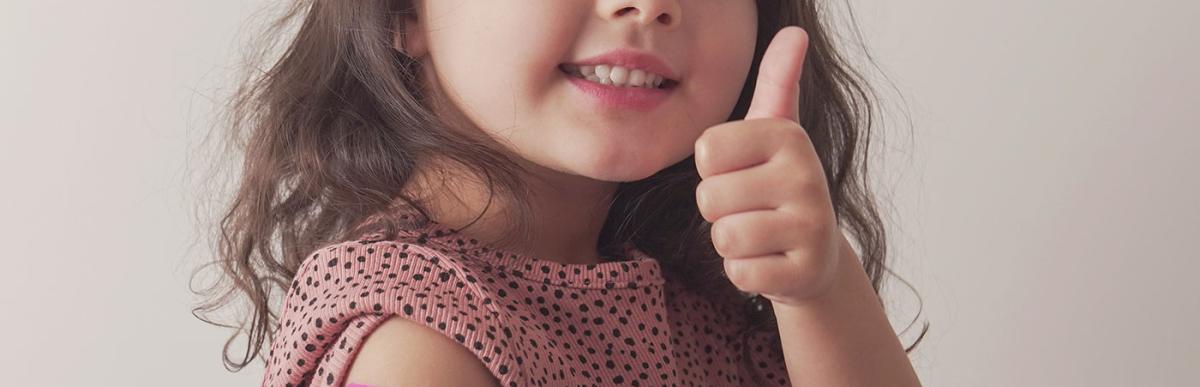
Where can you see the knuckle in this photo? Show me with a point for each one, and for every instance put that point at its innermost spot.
(793, 135)
(812, 267)
(700, 158)
(807, 185)
(722, 238)
(814, 223)
(793, 128)
(704, 199)
(814, 187)
(791, 192)
(702, 145)
(710, 135)
(797, 186)
(804, 225)
(808, 274)
(739, 274)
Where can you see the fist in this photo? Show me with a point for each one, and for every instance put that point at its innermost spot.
(764, 191)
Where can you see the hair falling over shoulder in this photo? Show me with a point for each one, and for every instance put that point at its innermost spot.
(336, 124)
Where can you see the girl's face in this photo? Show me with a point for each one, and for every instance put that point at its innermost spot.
(501, 63)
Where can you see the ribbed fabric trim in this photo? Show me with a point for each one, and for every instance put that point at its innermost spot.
(630, 268)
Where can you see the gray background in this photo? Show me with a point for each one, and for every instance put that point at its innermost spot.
(1043, 182)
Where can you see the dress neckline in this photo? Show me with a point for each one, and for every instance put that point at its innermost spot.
(629, 267)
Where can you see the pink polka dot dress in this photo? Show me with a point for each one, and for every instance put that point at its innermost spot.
(531, 322)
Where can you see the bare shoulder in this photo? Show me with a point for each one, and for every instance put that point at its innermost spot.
(403, 353)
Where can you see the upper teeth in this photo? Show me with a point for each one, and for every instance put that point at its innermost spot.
(616, 76)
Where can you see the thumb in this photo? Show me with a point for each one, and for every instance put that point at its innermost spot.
(777, 91)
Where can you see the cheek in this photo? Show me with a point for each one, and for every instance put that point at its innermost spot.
(722, 64)
(494, 57)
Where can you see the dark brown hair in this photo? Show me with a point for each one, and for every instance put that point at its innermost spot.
(334, 127)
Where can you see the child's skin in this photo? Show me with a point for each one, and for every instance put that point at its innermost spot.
(497, 61)
(763, 187)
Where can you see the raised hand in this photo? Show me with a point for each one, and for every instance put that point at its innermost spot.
(764, 190)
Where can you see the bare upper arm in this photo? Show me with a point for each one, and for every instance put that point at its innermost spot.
(403, 353)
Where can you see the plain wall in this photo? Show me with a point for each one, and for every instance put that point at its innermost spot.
(1039, 163)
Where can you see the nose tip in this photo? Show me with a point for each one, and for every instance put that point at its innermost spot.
(666, 13)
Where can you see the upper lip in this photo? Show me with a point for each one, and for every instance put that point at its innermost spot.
(633, 60)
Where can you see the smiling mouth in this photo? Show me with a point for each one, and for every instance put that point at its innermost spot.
(620, 77)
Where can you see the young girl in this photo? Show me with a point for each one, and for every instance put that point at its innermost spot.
(587, 192)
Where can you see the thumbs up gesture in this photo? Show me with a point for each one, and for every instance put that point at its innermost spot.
(764, 190)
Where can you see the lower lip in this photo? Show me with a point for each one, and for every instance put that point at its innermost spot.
(632, 98)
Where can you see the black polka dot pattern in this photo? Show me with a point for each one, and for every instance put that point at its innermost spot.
(531, 322)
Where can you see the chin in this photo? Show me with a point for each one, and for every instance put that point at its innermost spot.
(624, 163)
(620, 175)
